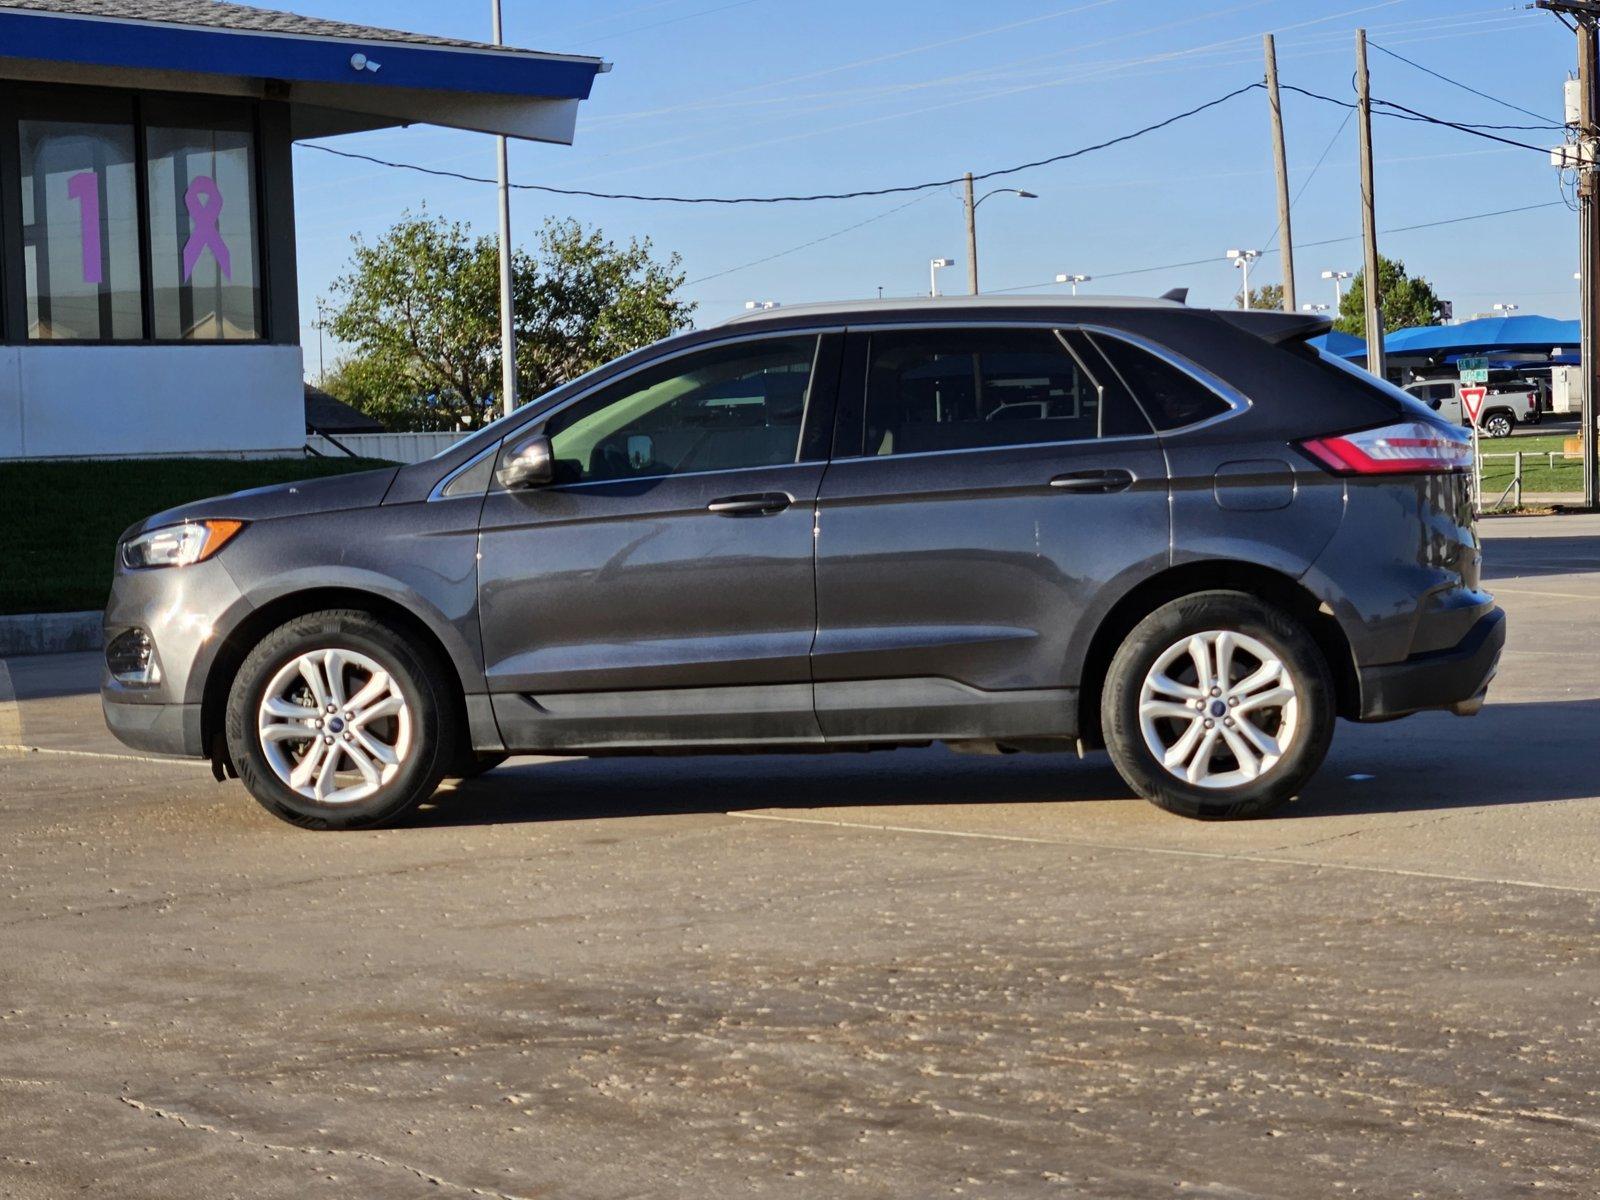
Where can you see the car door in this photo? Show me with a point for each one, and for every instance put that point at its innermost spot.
(660, 590)
(987, 484)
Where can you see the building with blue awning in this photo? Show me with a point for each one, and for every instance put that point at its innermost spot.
(148, 299)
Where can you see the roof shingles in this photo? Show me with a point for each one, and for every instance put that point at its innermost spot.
(214, 14)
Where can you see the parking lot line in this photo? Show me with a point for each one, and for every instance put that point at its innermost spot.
(1505, 591)
(1169, 851)
(16, 748)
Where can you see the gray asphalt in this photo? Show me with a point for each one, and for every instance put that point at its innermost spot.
(907, 974)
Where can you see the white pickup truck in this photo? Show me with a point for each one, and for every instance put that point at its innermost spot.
(1506, 404)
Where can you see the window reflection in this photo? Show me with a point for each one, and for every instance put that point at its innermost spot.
(80, 238)
(203, 233)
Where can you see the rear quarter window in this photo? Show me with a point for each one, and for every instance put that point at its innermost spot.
(1348, 375)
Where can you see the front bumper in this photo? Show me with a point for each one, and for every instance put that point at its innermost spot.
(1445, 678)
(156, 728)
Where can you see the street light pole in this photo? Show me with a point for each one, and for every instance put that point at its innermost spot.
(934, 266)
(972, 226)
(1242, 259)
(322, 374)
(1338, 277)
(1074, 280)
(508, 327)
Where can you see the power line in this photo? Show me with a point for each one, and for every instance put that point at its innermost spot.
(1326, 150)
(1465, 87)
(1411, 114)
(827, 237)
(728, 200)
(1213, 259)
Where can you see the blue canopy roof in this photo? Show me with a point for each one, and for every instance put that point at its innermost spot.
(1341, 344)
(1486, 333)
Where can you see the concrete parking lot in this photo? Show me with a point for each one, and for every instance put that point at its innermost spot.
(906, 974)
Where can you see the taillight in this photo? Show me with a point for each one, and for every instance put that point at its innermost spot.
(1409, 448)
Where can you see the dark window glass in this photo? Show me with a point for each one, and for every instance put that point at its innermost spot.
(1170, 397)
(960, 389)
(202, 202)
(730, 408)
(80, 239)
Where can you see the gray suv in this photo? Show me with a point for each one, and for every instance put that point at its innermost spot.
(1183, 535)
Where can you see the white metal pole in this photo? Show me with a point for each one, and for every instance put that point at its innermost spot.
(508, 328)
(1244, 267)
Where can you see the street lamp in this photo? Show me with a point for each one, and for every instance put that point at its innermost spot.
(935, 265)
(1314, 308)
(1242, 259)
(1074, 280)
(759, 305)
(1338, 278)
(1508, 309)
(972, 226)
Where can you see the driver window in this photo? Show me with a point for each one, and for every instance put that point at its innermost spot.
(730, 408)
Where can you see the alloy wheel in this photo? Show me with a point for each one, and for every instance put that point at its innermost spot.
(334, 726)
(1218, 709)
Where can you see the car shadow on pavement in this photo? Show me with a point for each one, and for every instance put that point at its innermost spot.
(1508, 754)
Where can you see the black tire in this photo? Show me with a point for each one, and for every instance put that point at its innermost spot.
(471, 764)
(1154, 637)
(1499, 424)
(434, 734)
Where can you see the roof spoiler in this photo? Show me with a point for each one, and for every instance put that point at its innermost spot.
(1277, 328)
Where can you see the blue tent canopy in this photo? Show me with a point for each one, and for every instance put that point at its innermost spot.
(1487, 334)
(1340, 344)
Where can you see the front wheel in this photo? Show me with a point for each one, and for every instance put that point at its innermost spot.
(1218, 705)
(336, 721)
(1498, 424)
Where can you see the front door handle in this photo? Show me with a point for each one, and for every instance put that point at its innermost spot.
(1094, 482)
(763, 504)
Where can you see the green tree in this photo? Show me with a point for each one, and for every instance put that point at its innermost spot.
(1267, 296)
(1407, 300)
(420, 307)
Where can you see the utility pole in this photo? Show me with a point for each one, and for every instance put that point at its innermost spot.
(1589, 248)
(1586, 14)
(322, 374)
(972, 239)
(508, 327)
(1369, 215)
(1281, 160)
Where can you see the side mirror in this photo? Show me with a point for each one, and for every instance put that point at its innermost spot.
(528, 463)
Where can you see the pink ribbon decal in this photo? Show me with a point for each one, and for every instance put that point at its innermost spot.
(84, 187)
(204, 202)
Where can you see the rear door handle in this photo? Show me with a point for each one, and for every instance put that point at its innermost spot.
(1094, 482)
(763, 504)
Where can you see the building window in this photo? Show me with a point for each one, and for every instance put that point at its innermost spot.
(202, 200)
(140, 217)
(80, 230)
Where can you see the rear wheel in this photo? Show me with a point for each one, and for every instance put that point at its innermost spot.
(336, 721)
(1499, 424)
(1218, 705)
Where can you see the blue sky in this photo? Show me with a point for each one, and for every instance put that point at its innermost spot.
(773, 96)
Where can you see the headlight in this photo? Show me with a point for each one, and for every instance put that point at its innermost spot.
(178, 545)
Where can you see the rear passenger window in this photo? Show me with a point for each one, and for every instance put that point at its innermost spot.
(1170, 397)
(962, 389)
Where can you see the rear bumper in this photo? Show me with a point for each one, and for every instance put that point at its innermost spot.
(156, 728)
(1439, 678)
